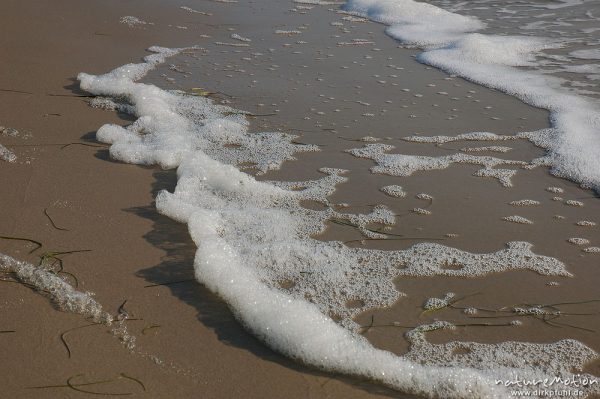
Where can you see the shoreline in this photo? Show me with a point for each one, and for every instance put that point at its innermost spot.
(107, 207)
(110, 248)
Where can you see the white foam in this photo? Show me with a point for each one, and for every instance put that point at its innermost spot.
(394, 191)
(492, 60)
(7, 155)
(188, 9)
(63, 295)
(254, 245)
(525, 202)
(555, 190)
(240, 38)
(421, 211)
(578, 241)
(438, 303)
(424, 197)
(132, 21)
(517, 219)
(491, 148)
(585, 223)
(574, 203)
(9, 131)
(561, 357)
(406, 165)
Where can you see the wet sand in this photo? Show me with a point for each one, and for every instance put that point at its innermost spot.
(332, 95)
(107, 206)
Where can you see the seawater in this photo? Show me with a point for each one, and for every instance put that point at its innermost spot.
(253, 235)
(510, 58)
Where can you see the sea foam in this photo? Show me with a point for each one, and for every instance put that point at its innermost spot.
(254, 245)
(451, 43)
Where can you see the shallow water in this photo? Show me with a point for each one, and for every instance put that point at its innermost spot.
(574, 25)
(289, 274)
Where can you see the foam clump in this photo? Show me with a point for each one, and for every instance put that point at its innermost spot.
(585, 223)
(380, 215)
(424, 197)
(591, 249)
(421, 211)
(517, 219)
(132, 21)
(429, 259)
(240, 38)
(254, 239)
(7, 155)
(406, 165)
(62, 293)
(287, 32)
(525, 202)
(491, 148)
(474, 136)
(9, 131)
(574, 203)
(562, 358)
(578, 241)
(555, 190)
(394, 191)
(191, 10)
(439, 303)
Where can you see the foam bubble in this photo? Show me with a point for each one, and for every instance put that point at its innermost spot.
(424, 197)
(525, 202)
(585, 223)
(574, 203)
(578, 241)
(9, 131)
(439, 303)
(517, 219)
(7, 155)
(394, 191)
(492, 148)
(132, 21)
(421, 211)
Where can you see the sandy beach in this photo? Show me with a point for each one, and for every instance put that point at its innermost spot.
(295, 68)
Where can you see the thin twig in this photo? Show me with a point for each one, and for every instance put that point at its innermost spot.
(16, 91)
(37, 243)
(74, 387)
(69, 95)
(64, 334)
(140, 383)
(52, 221)
(83, 144)
(169, 283)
